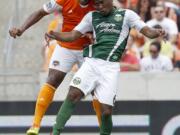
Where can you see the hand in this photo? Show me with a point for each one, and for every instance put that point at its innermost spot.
(49, 36)
(161, 32)
(90, 36)
(15, 32)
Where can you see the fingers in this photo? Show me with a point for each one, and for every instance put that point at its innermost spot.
(90, 36)
(161, 32)
(14, 32)
(48, 37)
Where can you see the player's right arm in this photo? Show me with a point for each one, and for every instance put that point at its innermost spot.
(48, 8)
(84, 26)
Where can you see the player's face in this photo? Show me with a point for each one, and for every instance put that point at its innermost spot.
(153, 51)
(104, 6)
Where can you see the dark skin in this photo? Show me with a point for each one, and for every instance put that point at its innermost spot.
(105, 7)
(55, 77)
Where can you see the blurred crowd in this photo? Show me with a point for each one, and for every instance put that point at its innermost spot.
(142, 54)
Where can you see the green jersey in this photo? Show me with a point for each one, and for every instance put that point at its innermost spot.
(110, 32)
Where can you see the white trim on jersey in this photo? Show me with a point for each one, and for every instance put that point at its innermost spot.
(131, 19)
(86, 24)
(51, 6)
(134, 21)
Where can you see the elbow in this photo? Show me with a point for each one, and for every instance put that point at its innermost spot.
(41, 13)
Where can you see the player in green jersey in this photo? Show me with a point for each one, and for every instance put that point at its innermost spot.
(100, 71)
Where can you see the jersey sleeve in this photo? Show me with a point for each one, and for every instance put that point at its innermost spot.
(86, 24)
(134, 20)
(51, 6)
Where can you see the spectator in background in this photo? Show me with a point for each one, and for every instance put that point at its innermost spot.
(166, 46)
(144, 9)
(130, 58)
(132, 48)
(156, 62)
(129, 62)
(168, 24)
(171, 9)
(131, 4)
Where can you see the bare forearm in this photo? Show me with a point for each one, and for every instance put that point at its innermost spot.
(32, 19)
(64, 36)
(151, 32)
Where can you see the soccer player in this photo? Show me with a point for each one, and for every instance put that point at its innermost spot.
(100, 71)
(64, 56)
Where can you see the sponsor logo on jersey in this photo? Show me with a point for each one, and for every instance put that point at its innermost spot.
(107, 27)
(77, 81)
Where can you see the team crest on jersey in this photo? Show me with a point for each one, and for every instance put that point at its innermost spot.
(118, 17)
(56, 63)
(77, 81)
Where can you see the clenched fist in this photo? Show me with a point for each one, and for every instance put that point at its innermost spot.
(161, 32)
(15, 32)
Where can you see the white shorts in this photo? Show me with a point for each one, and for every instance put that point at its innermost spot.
(63, 59)
(99, 75)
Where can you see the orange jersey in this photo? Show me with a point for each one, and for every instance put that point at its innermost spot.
(73, 13)
(53, 25)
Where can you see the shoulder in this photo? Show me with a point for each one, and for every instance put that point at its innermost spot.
(129, 12)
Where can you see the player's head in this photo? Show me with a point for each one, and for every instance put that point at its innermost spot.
(84, 2)
(155, 49)
(104, 6)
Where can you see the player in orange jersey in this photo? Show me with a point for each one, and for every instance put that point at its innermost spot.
(65, 54)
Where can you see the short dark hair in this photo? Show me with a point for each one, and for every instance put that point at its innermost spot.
(157, 44)
(157, 26)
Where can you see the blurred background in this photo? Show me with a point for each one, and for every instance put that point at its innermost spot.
(148, 98)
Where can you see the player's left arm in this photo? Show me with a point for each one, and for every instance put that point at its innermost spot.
(135, 21)
(151, 32)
